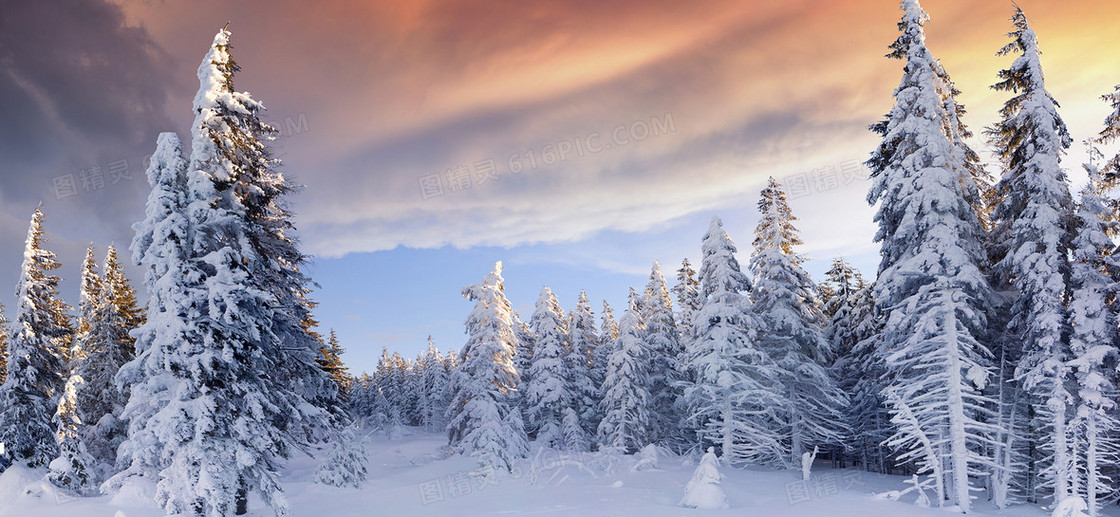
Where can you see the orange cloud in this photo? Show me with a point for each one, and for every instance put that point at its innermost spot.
(396, 90)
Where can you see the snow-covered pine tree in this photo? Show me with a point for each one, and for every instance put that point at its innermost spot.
(119, 292)
(1032, 227)
(484, 423)
(361, 400)
(74, 470)
(230, 143)
(732, 399)
(792, 334)
(451, 361)
(687, 290)
(583, 341)
(547, 394)
(3, 346)
(230, 403)
(89, 296)
(626, 424)
(107, 348)
(90, 303)
(844, 282)
(402, 388)
(931, 284)
(450, 364)
(851, 326)
(1110, 171)
(382, 387)
(576, 437)
(421, 368)
(436, 390)
(608, 327)
(222, 378)
(383, 375)
(523, 355)
(346, 465)
(36, 356)
(382, 413)
(666, 353)
(330, 360)
(161, 246)
(1093, 345)
(608, 336)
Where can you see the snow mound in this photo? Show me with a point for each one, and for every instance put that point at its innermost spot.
(17, 480)
(1071, 507)
(648, 458)
(136, 492)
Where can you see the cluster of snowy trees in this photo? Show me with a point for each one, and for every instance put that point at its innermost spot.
(57, 407)
(737, 360)
(404, 392)
(220, 376)
(995, 351)
(983, 355)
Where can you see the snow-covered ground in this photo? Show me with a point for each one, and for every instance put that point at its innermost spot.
(413, 475)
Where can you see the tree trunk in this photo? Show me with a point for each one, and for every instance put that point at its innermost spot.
(241, 500)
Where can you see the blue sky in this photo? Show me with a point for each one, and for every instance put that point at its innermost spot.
(396, 298)
(596, 136)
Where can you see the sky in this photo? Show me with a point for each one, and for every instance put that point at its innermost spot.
(576, 141)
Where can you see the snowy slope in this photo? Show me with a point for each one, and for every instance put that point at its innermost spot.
(414, 476)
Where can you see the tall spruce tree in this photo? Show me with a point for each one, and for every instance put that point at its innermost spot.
(72, 420)
(851, 329)
(1093, 346)
(732, 398)
(1032, 228)
(436, 389)
(37, 356)
(231, 142)
(847, 309)
(931, 284)
(548, 394)
(523, 356)
(584, 341)
(687, 290)
(3, 346)
(330, 360)
(161, 246)
(228, 401)
(1110, 171)
(484, 421)
(109, 345)
(666, 352)
(626, 424)
(223, 366)
(792, 334)
(89, 296)
(608, 336)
